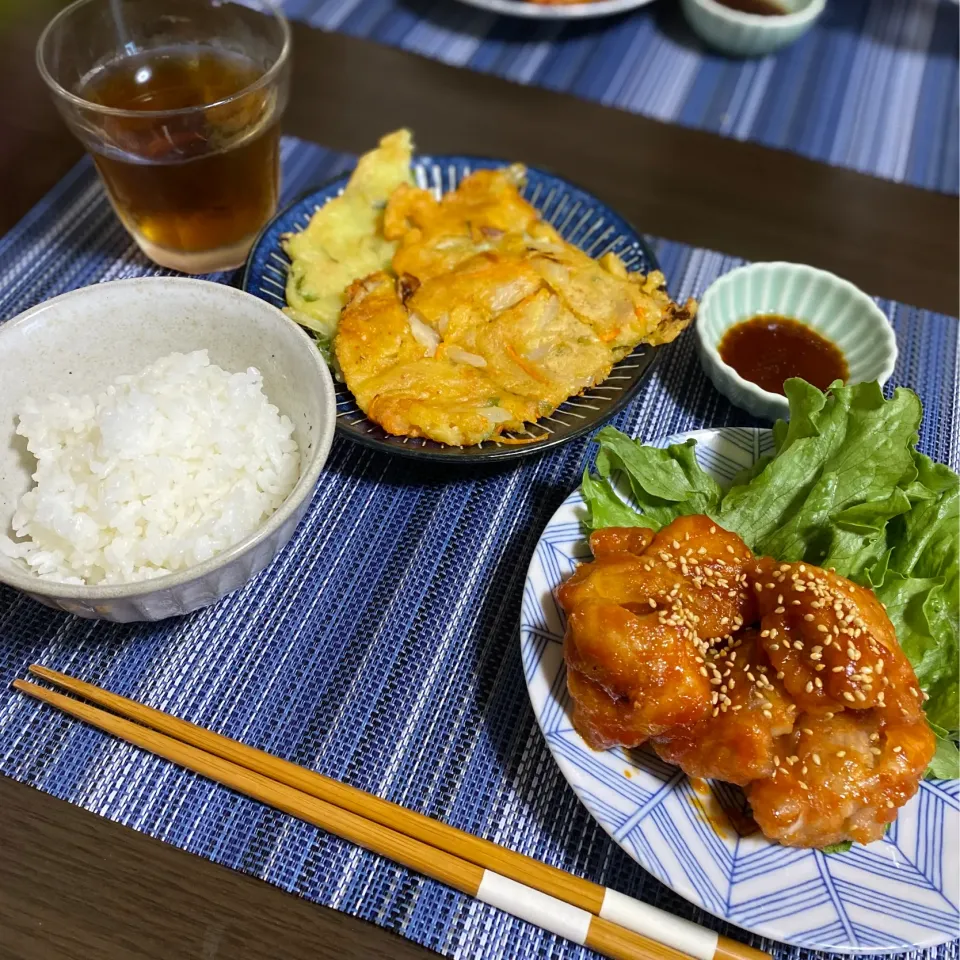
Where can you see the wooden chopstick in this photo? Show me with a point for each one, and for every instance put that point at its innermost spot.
(607, 904)
(521, 901)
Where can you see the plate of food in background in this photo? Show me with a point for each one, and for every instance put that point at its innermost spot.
(557, 9)
(469, 308)
(741, 648)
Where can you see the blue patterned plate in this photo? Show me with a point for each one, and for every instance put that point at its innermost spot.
(579, 217)
(898, 893)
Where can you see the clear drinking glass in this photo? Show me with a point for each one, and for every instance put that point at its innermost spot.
(179, 103)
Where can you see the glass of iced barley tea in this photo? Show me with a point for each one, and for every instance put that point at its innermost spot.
(179, 103)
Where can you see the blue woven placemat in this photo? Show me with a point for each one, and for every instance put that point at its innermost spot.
(380, 648)
(873, 86)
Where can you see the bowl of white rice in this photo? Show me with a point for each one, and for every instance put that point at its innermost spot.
(160, 439)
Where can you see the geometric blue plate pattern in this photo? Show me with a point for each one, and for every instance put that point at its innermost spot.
(895, 893)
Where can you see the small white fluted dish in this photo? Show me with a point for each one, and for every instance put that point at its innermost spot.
(830, 305)
(81, 341)
(749, 34)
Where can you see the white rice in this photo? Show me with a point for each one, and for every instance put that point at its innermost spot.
(155, 474)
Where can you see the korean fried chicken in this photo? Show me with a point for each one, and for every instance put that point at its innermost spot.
(832, 640)
(620, 540)
(488, 293)
(750, 710)
(692, 568)
(643, 660)
(841, 777)
(639, 625)
(785, 679)
(604, 721)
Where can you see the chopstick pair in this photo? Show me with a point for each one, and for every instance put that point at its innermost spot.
(606, 921)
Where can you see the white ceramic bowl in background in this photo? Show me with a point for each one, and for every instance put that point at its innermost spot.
(81, 341)
(830, 305)
(749, 34)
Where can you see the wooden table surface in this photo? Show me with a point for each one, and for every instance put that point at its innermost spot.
(73, 885)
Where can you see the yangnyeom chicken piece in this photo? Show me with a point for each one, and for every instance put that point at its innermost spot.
(614, 540)
(750, 709)
(604, 721)
(620, 577)
(711, 562)
(832, 641)
(816, 711)
(841, 777)
(672, 573)
(642, 658)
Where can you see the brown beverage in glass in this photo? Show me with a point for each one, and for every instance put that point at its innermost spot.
(183, 126)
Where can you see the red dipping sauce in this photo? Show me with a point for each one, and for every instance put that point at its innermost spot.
(762, 8)
(768, 349)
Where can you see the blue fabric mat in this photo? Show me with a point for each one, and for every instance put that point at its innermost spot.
(873, 86)
(381, 647)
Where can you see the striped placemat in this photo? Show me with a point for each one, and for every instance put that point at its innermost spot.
(380, 648)
(872, 87)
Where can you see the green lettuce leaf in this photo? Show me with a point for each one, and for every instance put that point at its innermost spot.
(945, 764)
(664, 484)
(847, 449)
(918, 579)
(842, 847)
(606, 509)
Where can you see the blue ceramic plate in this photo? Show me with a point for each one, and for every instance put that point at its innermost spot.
(896, 894)
(579, 217)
